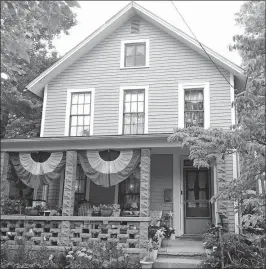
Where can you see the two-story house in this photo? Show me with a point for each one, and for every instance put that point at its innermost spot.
(109, 106)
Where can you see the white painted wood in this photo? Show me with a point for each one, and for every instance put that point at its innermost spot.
(61, 189)
(176, 194)
(147, 53)
(215, 189)
(68, 107)
(44, 110)
(232, 95)
(121, 106)
(206, 95)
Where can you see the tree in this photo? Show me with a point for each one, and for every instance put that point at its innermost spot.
(246, 138)
(27, 31)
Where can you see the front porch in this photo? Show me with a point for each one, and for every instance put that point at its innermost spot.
(158, 186)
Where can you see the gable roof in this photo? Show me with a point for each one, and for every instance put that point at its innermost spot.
(36, 86)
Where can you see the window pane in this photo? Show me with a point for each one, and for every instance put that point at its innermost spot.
(140, 50)
(130, 50)
(141, 118)
(129, 61)
(74, 110)
(127, 97)
(86, 109)
(140, 129)
(134, 129)
(74, 120)
(141, 96)
(127, 119)
(140, 61)
(140, 107)
(127, 129)
(74, 98)
(134, 119)
(87, 98)
(87, 129)
(80, 109)
(127, 107)
(134, 97)
(81, 98)
(80, 131)
(73, 131)
(134, 107)
(87, 120)
(80, 120)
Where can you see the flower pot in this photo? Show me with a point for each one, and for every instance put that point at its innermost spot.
(155, 253)
(147, 264)
(47, 213)
(116, 213)
(106, 212)
(33, 212)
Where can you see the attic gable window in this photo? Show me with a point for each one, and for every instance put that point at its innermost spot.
(79, 112)
(134, 54)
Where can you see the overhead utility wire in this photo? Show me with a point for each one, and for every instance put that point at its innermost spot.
(201, 45)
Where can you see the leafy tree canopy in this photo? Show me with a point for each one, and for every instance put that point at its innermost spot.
(27, 31)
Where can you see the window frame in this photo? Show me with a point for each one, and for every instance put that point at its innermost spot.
(68, 108)
(121, 107)
(123, 50)
(206, 102)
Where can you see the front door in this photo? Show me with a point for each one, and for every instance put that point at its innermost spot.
(197, 209)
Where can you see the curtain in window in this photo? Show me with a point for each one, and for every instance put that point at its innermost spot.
(108, 173)
(37, 173)
(194, 95)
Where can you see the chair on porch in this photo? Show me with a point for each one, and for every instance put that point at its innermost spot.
(156, 217)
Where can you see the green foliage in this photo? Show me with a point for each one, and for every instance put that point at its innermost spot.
(100, 255)
(13, 206)
(25, 256)
(27, 31)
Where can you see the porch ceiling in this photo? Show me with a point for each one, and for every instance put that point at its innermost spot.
(86, 143)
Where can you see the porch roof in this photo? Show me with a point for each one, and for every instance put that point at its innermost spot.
(86, 143)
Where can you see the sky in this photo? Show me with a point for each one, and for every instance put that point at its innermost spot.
(213, 22)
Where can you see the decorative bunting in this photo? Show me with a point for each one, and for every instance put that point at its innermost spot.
(109, 173)
(33, 173)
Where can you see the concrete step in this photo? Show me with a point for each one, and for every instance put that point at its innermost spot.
(176, 263)
(183, 245)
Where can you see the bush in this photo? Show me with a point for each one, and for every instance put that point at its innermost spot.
(100, 255)
(238, 252)
(24, 256)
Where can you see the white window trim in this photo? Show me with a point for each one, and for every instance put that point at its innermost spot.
(44, 110)
(122, 53)
(121, 106)
(68, 107)
(206, 102)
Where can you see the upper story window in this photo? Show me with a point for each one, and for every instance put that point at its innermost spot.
(133, 117)
(134, 53)
(194, 108)
(194, 105)
(79, 115)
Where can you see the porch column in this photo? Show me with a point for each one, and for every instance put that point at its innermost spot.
(145, 171)
(69, 194)
(4, 181)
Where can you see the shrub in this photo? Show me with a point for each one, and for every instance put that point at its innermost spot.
(100, 255)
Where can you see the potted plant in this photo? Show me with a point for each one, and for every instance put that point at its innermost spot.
(106, 211)
(148, 260)
(155, 249)
(95, 211)
(116, 210)
(90, 211)
(32, 211)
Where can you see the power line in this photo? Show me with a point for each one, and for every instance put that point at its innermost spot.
(201, 44)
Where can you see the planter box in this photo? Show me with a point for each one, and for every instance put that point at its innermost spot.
(145, 265)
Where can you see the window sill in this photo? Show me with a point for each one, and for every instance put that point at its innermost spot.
(134, 67)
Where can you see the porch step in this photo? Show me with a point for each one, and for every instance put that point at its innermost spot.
(172, 252)
(184, 245)
(176, 263)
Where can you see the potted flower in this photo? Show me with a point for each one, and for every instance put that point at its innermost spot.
(116, 210)
(95, 211)
(155, 249)
(148, 260)
(106, 211)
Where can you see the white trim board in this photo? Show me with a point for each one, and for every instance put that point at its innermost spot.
(122, 53)
(44, 110)
(69, 92)
(109, 27)
(181, 102)
(121, 106)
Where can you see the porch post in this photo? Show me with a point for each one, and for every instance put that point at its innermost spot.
(4, 181)
(144, 192)
(69, 194)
